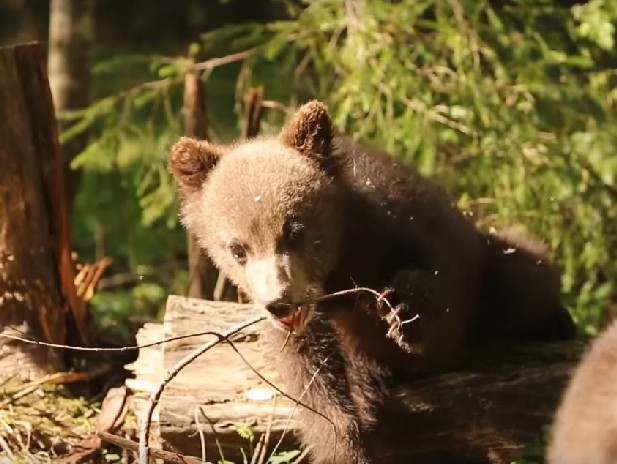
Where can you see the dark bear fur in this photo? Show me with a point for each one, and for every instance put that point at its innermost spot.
(295, 217)
(585, 427)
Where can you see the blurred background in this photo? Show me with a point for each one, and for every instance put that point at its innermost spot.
(510, 104)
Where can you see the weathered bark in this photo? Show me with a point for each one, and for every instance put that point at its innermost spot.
(484, 412)
(34, 251)
(252, 118)
(30, 60)
(71, 34)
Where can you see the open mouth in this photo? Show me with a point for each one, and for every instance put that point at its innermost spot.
(293, 322)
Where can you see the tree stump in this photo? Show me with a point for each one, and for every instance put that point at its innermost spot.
(486, 411)
(33, 235)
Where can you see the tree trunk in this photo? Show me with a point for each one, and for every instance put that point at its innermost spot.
(71, 33)
(202, 273)
(35, 267)
(485, 411)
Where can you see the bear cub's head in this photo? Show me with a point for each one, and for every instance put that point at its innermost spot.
(268, 211)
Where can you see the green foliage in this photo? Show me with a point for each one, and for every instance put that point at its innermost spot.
(246, 432)
(284, 457)
(279, 457)
(126, 205)
(534, 452)
(513, 108)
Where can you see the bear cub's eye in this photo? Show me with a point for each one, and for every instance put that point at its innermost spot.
(293, 232)
(238, 252)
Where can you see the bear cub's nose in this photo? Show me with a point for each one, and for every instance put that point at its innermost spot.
(280, 308)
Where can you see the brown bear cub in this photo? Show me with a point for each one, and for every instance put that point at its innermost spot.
(585, 428)
(296, 217)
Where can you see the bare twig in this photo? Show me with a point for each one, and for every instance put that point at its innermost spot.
(6, 448)
(257, 451)
(431, 113)
(225, 337)
(275, 105)
(302, 455)
(102, 349)
(131, 278)
(219, 287)
(56, 379)
(200, 430)
(266, 436)
(295, 408)
(88, 278)
(381, 297)
(220, 61)
(167, 456)
(144, 430)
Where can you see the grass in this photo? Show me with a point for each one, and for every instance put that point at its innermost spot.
(45, 425)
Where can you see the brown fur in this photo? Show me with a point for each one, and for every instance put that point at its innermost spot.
(585, 428)
(364, 220)
(521, 296)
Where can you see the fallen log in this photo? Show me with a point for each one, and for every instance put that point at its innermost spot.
(486, 411)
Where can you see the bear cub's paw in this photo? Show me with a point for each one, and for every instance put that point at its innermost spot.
(407, 306)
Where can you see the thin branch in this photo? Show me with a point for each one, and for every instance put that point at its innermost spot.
(293, 411)
(431, 113)
(144, 430)
(55, 379)
(200, 430)
(381, 297)
(220, 61)
(130, 445)
(302, 455)
(6, 448)
(131, 278)
(225, 337)
(266, 436)
(103, 349)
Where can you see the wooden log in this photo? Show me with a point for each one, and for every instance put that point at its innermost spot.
(219, 383)
(149, 372)
(486, 411)
(35, 268)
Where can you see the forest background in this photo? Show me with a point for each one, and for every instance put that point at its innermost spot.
(510, 104)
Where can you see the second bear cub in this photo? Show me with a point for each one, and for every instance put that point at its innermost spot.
(301, 215)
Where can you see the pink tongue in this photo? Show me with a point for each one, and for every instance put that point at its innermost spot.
(290, 321)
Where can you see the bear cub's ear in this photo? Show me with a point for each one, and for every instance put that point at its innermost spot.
(191, 160)
(309, 131)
